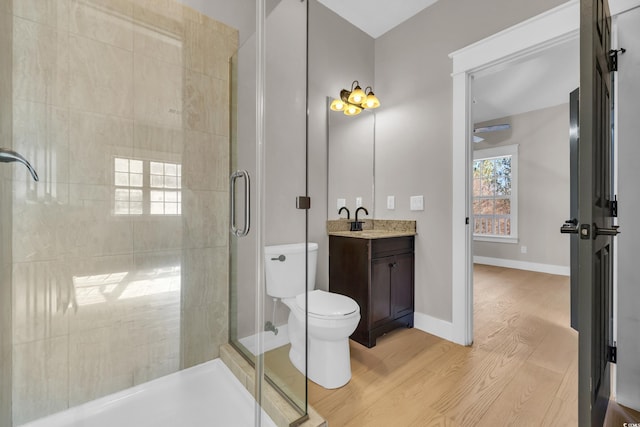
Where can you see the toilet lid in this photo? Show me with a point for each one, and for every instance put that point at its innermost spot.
(327, 304)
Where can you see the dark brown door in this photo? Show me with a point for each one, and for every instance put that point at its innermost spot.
(595, 247)
(401, 285)
(380, 290)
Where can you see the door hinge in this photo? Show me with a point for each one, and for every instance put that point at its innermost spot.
(613, 58)
(466, 221)
(612, 354)
(613, 207)
(303, 202)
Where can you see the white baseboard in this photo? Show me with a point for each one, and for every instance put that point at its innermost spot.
(434, 326)
(560, 270)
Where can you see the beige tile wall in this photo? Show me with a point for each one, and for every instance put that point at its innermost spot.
(5, 216)
(101, 301)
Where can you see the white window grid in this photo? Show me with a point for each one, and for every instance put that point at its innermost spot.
(497, 226)
(147, 187)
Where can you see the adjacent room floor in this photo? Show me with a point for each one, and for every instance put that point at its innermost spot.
(521, 369)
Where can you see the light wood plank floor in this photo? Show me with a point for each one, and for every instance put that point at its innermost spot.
(521, 369)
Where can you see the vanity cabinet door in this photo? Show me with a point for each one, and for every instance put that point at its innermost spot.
(381, 291)
(402, 285)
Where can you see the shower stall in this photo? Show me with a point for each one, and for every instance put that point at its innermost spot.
(135, 255)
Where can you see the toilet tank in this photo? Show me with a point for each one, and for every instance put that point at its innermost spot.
(284, 269)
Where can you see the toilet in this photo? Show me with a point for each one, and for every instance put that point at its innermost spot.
(332, 318)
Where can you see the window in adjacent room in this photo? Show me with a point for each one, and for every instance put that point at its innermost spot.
(495, 194)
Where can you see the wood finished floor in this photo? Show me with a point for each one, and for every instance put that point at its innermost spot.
(521, 369)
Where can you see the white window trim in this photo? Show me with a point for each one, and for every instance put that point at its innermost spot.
(502, 151)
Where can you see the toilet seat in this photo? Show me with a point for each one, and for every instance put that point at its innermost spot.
(327, 305)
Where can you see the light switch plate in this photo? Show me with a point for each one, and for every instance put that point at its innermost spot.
(341, 203)
(391, 202)
(416, 203)
(358, 202)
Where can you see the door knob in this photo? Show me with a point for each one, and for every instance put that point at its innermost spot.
(570, 226)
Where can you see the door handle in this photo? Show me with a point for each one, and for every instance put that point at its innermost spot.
(570, 226)
(613, 231)
(7, 156)
(240, 232)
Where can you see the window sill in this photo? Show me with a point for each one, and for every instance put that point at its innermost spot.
(495, 239)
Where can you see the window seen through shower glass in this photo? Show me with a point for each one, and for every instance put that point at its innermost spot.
(166, 197)
(147, 187)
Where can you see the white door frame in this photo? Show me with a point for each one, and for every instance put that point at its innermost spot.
(543, 31)
(548, 29)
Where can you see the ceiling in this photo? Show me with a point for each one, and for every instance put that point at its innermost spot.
(376, 17)
(534, 82)
(538, 81)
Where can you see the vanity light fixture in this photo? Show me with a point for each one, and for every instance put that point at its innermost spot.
(353, 101)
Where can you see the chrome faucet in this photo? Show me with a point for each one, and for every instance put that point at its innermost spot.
(344, 208)
(7, 156)
(357, 225)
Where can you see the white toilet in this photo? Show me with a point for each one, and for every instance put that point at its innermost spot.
(332, 317)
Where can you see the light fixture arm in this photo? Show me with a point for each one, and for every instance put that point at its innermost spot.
(354, 85)
(344, 95)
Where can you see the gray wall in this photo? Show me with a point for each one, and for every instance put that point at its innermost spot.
(628, 366)
(339, 53)
(240, 14)
(543, 185)
(413, 132)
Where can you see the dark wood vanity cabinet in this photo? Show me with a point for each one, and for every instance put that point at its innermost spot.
(379, 275)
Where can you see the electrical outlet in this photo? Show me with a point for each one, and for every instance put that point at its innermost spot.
(391, 202)
(341, 203)
(523, 249)
(416, 203)
(358, 202)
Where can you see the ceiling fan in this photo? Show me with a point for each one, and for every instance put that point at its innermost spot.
(490, 128)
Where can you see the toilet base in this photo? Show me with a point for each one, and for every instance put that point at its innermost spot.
(330, 368)
(329, 363)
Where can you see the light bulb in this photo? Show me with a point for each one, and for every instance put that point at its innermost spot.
(337, 105)
(371, 101)
(352, 110)
(357, 96)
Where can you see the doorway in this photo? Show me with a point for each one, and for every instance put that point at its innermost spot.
(520, 169)
(552, 28)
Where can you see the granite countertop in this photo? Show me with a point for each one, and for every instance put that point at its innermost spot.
(372, 229)
(372, 234)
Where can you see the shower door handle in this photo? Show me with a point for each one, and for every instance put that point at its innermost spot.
(240, 232)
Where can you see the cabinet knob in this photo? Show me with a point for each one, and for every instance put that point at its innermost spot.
(393, 264)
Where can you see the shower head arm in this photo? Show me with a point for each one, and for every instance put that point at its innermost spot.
(7, 156)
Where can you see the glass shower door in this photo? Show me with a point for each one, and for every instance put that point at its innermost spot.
(268, 173)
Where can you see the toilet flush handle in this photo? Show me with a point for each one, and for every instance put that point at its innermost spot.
(281, 258)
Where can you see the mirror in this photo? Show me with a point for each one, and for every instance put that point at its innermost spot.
(350, 169)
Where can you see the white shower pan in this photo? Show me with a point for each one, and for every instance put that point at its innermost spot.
(204, 395)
